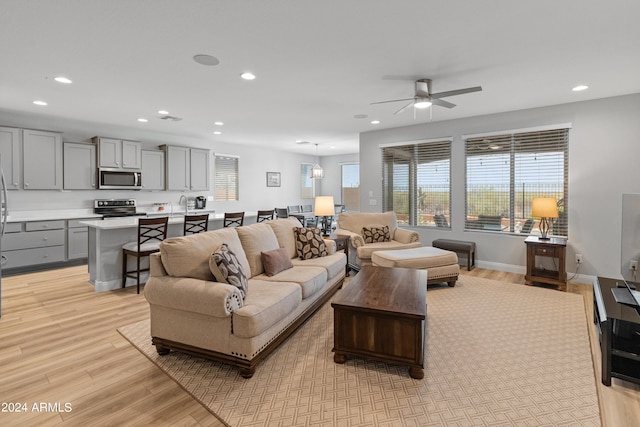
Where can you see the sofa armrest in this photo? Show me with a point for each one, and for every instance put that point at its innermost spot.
(403, 235)
(355, 238)
(331, 246)
(193, 295)
(156, 266)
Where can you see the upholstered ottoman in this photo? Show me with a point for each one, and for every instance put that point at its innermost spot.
(441, 264)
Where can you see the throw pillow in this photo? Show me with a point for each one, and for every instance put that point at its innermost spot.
(309, 243)
(275, 261)
(226, 269)
(376, 234)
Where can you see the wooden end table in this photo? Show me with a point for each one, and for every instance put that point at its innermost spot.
(554, 247)
(381, 314)
(342, 244)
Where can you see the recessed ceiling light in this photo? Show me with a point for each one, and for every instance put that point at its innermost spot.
(41, 103)
(333, 147)
(218, 123)
(422, 104)
(375, 122)
(217, 132)
(206, 60)
(163, 112)
(248, 76)
(580, 87)
(62, 79)
(142, 120)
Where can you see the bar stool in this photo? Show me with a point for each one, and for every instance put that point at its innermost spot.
(264, 216)
(282, 212)
(194, 224)
(233, 219)
(151, 232)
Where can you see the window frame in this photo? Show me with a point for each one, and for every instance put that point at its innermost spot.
(342, 187)
(231, 191)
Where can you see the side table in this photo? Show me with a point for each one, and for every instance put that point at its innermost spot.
(554, 247)
(342, 244)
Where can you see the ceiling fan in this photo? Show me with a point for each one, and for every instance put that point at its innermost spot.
(423, 97)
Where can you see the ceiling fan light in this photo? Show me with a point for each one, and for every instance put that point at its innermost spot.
(422, 104)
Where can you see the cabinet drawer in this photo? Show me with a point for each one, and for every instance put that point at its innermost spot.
(75, 223)
(13, 227)
(25, 257)
(341, 244)
(35, 239)
(549, 251)
(44, 225)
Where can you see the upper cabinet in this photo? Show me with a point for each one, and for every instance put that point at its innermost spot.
(79, 166)
(153, 170)
(187, 168)
(42, 160)
(10, 144)
(118, 153)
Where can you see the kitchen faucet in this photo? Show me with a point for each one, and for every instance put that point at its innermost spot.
(186, 203)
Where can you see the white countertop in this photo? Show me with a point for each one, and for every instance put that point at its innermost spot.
(50, 215)
(132, 221)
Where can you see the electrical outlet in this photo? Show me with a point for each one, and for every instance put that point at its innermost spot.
(578, 258)
(633, 265)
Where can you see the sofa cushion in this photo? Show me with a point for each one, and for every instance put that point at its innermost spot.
(226, 268)
(265, 305)
(283, 229)
(334, 263)
(310, 279)
(355, 221)
(275, 261)
(188, 256)
(309, 243)
(255, 239)
(364, 252)
(376, 233)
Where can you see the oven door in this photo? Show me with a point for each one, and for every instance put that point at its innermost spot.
(110, 179)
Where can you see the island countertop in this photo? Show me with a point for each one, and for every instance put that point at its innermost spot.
(132, 221)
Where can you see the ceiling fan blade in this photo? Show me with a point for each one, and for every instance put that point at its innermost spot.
(393, 100)
(456, 92)
(442, 103)
(404, 108)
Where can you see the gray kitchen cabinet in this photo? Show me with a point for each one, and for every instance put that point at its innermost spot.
(153, 170)
(41, 160)
(77, 239)
(187, 168)
(10, 145)
(118, 153)
(79, 166)
(34, 243)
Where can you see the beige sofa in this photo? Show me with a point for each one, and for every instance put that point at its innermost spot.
(193, 313)
(351, 224)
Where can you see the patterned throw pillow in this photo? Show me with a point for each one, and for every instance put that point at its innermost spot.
(309, 243)
(376, 234)
(226, 269)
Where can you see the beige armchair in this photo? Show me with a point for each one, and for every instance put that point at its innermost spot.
(352, 224)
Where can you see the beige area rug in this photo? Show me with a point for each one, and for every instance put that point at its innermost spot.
(498, 354)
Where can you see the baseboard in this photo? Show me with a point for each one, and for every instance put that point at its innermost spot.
(521, 269)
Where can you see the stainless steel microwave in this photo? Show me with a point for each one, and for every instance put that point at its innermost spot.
(110, 180)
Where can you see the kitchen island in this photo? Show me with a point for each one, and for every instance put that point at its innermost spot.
(106, 238)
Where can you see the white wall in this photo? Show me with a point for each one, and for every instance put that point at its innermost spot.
(604, 152)
(254, 162)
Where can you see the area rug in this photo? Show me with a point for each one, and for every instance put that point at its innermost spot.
(498, 354)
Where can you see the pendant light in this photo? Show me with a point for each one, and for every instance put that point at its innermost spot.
(316, 170)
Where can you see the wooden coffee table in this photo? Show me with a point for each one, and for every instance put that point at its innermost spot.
(381, 314)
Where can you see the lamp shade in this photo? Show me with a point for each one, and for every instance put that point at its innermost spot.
(544, 207)
(324, 206)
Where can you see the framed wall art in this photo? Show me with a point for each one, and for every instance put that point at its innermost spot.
(273, 179)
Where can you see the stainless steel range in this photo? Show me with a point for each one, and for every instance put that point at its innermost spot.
(111, 208)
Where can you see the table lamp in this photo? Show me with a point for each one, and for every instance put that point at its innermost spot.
(544, 208)
(324, 208)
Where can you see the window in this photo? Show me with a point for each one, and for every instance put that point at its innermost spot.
(307, 184)
(506, 171)
(226, 177)
(351, 186)
(416, 182)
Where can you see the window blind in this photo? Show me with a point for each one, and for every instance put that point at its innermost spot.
(226, 177)
(505, 172)
(417, 182)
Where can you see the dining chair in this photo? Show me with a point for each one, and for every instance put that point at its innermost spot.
(264, 216)
(233, 219)
(307, 208)
(282, 213)
(194, 224)
(294, 209)
(151, 232)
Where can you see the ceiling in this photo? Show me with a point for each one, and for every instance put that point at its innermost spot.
(318, 63)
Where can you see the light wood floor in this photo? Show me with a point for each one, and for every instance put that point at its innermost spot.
(59, 344)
